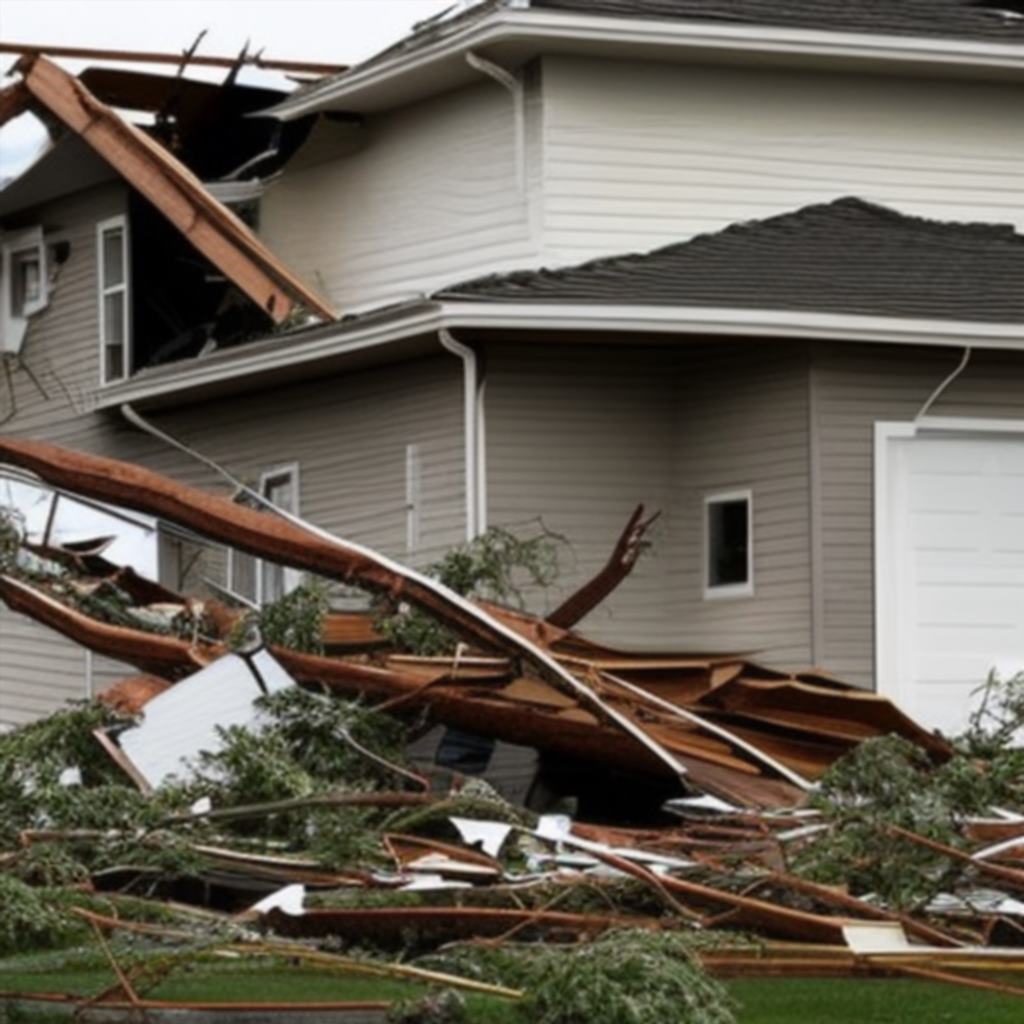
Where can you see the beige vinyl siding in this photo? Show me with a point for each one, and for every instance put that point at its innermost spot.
(413, 199)
(577, 435)
(853, 387)
(348, 433)
(639, 155)
(742, 424)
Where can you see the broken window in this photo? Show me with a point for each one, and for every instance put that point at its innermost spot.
(256, 581)
(728, 545)
(112, 258)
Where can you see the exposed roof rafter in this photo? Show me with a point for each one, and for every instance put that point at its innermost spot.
(174, 190)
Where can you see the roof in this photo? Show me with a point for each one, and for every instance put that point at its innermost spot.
(997, 21)
(848, 256)
(962, 33)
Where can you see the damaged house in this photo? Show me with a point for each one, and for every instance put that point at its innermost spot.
(760, 269)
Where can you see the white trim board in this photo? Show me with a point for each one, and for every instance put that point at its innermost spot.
(886, 563)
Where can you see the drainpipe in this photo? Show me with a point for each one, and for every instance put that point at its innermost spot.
(934, 396)
(473, 418)
(514, 85)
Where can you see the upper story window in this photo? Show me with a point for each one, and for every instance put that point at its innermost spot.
(114, 299)
(255, 580)
(728, 545)
(23, 276)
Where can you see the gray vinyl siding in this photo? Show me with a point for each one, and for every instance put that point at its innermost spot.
(640, 154)
(413, 199)
(853, 387)
(577, 435)
(742, 424)
(348, 433)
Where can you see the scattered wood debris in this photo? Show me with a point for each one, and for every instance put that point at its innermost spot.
(262, 800)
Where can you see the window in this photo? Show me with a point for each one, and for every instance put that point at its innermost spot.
(112, 264)
(728, 545)
(23, 273)
(251, 578)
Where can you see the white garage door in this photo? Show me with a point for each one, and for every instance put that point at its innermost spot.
(951, 569)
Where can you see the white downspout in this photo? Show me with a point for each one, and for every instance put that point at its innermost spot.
(473, 417)
(514, 85)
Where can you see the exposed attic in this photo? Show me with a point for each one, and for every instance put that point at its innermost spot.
(200, 277)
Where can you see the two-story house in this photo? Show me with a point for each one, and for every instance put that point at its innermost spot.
(757, 265)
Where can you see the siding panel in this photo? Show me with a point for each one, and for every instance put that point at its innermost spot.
(639, 155)
(428, 195)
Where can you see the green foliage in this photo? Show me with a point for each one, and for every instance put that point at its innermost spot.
(444, 1007)
(250, 767)
(294, 621)
(889, 781)
(12, 530)
(624, 977)
(313, 728)
(994, 728)
(495, 566)
(30, 920)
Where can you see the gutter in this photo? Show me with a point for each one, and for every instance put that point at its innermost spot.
(429, 318)
(473, 420)
(543, 28)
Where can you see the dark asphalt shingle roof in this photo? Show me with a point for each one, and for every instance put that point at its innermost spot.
(847, 256)
(989, 20)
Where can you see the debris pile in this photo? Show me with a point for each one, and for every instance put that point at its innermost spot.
(270, 800)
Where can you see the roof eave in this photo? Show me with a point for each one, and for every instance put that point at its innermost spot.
(360, 343)
(380, 85)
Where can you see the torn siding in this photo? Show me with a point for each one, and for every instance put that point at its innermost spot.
(413, 199)
(853, 387)
(639, 155)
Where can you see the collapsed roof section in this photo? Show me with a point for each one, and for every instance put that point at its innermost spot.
(848, 256)
(166, 183)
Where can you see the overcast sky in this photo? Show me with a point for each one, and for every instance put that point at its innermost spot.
(335, 31)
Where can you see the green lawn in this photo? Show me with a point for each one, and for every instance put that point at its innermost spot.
(869, 1001)
(759, 1001)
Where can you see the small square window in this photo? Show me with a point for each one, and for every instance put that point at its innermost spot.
(728, 545)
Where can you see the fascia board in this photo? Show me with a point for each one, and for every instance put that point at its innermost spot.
(271, 355)
(730, 321)
(541, 29)
(267, 356)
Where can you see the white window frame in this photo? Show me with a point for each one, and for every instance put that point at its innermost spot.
(292, 577)
(13, 325)
(102, 291)
(722, 591)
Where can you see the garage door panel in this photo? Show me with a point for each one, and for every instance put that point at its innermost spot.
(955, 536)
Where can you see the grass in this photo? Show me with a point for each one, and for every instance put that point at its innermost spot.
(759, 1001)
(868, 1001)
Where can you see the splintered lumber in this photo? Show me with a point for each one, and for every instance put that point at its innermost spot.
(541, 718)
(290, 543)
